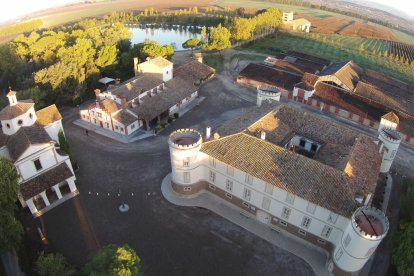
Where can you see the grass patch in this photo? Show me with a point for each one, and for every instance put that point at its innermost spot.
(215, 62)
(338, 50)
(247, 57)
(403, 36)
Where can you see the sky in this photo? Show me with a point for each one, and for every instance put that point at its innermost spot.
(15, 8)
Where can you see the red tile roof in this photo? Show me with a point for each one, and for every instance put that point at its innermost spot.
(13, 111)
(48, 115)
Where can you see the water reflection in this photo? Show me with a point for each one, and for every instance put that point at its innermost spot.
(174, 35)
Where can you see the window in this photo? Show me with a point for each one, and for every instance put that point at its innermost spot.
(302, 143)
(302, 232)
(332, 217)
(339, 254)
(116, 127)
(285, 213)
(230, 170)
(133, 126)
(186, 162)
(8, 125)
(94, 120)
(290, 198)
(229, 195)
(212, 162)
(370, 251)
(19, 122)
(245, 204)
(99, 114)
(84, 116)
(347, 240)
(122, 129)
(311, 208)
(306, 222)
(93, 112)
(326, 231)
(314, 147)
(321, 241)
(212, 176)
(392, 154)
(30, 115)
(186, 177)
(37, 164)
(284, 223)
(249, 179)
(107, 125)
(229, 185)
(247, 193)
(187, 189)
(212, 187)
(166, 72)
(266, 203)
(269, 188)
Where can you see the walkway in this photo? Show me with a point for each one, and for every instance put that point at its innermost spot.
(314, 256)
(11, 264)
(138, 134)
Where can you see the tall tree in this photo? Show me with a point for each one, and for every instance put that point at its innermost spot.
(11, 229)
(203, 34)
(64, 145)
(191, 43)
(217, 44)
(113, 260)
(53, 265)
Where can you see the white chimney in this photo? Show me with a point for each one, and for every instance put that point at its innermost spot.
(263, 135)
(259, 101)
(208, 132)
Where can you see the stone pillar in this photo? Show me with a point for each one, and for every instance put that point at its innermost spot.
(45, 199)
(147, 124)
(57, 190)
(72, 185)
(158, 119)
(31, 205)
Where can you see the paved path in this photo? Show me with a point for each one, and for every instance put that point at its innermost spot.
(313, 255)
(11, 264)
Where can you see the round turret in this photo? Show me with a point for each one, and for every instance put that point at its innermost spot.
(367, 228)
(267, 92)
(391, 139)
(184, 147)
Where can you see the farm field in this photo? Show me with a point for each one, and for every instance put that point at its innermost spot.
(327, 25)
(402, 50)
(403, 36)
(330, 50)
(361, 29)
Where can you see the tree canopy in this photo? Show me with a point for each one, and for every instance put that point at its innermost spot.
(191, 43)
(53, 265)
(112, 260)
(10, 228)
(152, 49)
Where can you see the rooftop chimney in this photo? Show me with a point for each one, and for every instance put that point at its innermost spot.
(208, 132)
(124, 103)
(263, 135)
(117, 81)
(98, 94)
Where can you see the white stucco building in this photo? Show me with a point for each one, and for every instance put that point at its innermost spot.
(30, 139)
(295, 172)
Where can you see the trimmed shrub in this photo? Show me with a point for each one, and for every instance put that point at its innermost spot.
(164, 124)
(170, 120)
(176, 115)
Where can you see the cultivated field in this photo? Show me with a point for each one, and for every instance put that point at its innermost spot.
(365, 30)
(403, 36)
(402, 50)
(336, 51)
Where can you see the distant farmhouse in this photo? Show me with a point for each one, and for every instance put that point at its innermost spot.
(30, 139)
(369, 98)
(295, 172)
(301, 24)
(155, 93)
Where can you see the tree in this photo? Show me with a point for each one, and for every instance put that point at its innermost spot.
(361, 48)
(217, 44)
(106, 56)
(241, 29)
(203, 34)
(112, 260)
(220, 33)
(64, 145)
(191, 43)
(11, 229)
(53, 265)
(403, 253)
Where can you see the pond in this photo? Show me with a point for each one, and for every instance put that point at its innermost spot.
(174, 35)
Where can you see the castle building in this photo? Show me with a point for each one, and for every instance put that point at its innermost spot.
(30, 139)
(295, 172)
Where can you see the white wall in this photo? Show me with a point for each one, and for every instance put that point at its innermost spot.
(53, 130)
(167, 73)
(44, 153)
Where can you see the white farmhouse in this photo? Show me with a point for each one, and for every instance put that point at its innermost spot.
(30, 139)
(158, 67)
(296, 172)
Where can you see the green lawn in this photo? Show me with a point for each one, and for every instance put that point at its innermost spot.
(215, 61)
(338, 50)
(403, 36)
(247, 57)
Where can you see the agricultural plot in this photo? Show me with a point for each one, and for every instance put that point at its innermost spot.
(361, 29)
(402, 51)
(403, 36)
(327, 25)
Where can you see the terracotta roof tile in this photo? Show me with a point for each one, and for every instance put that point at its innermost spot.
(124, 117)
(269, 75)
(161, 62)
(293, 68)
(48, 115)
(309, 57)
(135, 86)
(311, 78)
(348, 72)
(13, 111)
(308, 63)
(305, 85)
(11, 93)
(193, 71)
(390, 116)
(110, 105)
(45, 180)
(294, 173)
